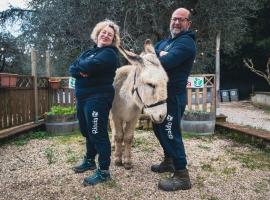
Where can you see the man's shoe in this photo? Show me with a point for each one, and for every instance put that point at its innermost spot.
(179, 181)
(98, 177)
(165, 166)
(87, 164)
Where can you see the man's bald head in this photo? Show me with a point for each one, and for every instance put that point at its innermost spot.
(180, 21)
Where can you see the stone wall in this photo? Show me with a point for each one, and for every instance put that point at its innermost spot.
(261, 98)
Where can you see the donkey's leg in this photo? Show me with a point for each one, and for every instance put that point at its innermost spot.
(128, 138)
(118, 137)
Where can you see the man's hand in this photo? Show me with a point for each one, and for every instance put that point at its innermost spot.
(83, 74)
(162, 53)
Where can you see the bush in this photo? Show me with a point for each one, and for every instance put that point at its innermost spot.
(62, 110)
(198, 115)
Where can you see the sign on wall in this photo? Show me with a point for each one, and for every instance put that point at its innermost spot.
(195, 82)
(71, 83)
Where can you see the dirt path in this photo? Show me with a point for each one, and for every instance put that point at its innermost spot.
(219, 168)
(244, 113)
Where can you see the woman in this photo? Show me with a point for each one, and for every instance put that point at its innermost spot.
(94, 71)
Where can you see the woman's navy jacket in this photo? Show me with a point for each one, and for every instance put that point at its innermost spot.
(100, 64)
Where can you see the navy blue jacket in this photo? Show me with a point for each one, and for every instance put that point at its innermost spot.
(100, 64)
(179, 59)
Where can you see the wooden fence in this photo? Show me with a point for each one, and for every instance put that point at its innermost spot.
(203, 98)
(17, 104)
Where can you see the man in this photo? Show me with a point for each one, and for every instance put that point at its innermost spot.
(176, 54)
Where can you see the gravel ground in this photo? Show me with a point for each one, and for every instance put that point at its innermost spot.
(244, 113)
(219, 169)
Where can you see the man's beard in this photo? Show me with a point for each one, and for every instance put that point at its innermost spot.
(175, 32)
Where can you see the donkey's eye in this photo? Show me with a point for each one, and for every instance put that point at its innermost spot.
(151, 85)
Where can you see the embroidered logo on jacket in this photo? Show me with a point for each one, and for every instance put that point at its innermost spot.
(168, 126)
(95, 122)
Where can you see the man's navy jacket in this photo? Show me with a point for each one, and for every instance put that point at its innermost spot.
(179, 60)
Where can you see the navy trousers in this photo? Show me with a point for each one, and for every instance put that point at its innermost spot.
(169, 133)
(93, 114)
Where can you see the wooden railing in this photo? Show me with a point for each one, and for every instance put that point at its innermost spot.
(17, 103)
(204, 98)
(63, 96)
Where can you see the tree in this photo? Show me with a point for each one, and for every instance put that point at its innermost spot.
(64, 26)
(266, 75)
(12, 54)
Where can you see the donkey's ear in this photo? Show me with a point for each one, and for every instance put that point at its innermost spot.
(132, 58)
(148, 46)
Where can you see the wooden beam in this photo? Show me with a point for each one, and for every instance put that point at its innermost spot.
(19, 129)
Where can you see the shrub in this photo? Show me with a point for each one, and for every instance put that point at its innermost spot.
(198, 115)
(62, 110)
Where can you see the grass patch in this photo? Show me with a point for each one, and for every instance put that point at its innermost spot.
(212, 198)
(49, 153)
(207, 167)
(252, 160)
(143, 143)
(71, 138)
(71, 156)
(188, 135)
(113, 184)
(200, 181)
(97, 198)
(203, 147)
(261, 187)
(229, 171)
(25, 138)
(42, 135)
(242, 138)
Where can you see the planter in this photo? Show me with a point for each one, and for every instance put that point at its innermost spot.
(54, 84)
(61, 124)
(8, 80)
(198, 123)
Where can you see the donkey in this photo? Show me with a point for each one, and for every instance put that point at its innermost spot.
(139, 86)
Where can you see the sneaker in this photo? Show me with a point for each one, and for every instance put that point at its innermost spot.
(98, 177)
(86, 164)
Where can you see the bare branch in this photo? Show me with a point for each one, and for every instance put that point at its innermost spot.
(249, 64)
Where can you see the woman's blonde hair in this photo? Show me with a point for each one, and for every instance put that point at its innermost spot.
(101, 25)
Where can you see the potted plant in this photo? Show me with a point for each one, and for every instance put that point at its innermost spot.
(54, 83)
(198, 122)
(8, 80)
(61, 120)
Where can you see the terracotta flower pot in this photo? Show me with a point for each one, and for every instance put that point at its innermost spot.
(54, 84)
(8, 80)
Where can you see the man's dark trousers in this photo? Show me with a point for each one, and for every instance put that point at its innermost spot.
(169, 133)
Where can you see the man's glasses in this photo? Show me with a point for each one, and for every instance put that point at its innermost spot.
(174, 19)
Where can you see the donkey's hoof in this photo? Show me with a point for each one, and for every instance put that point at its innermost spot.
(128, 166)
(118, 163)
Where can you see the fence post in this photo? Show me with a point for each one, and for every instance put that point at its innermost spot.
(217, 78)
(34, 74)
(48, 67)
